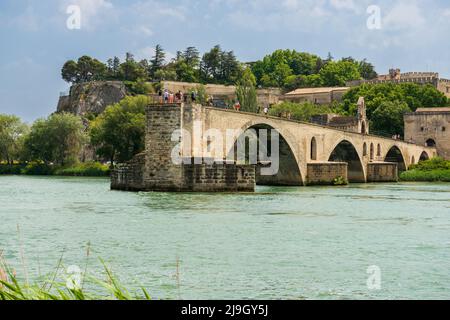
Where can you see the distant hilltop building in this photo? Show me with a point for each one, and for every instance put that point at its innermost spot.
(429, 127)
(358, 123)
(324, 95)
(395, 76)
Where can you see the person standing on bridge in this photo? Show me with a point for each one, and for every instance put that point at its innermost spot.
(237, 106)
(266, 110)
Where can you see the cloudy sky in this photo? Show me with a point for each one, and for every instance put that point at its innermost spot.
(35, 40)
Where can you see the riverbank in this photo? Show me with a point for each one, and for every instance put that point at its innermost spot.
(434, 170)
(86, 169)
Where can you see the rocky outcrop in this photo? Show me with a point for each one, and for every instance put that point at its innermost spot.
(92, 97)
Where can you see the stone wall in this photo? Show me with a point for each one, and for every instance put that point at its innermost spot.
(161, 173)
(422, 126)
(382, 172)
(324, 173)
(219, 177)
(129, 176)
(158, 168)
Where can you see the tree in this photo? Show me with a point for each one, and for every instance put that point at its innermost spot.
(218, 66)
(246, 92)
(84, 70)
(119, 132)
(367, 70)
(387, 119)
(414, 95)
(338, 73)
(12, 134)
(302, 111)
(157, 61)
(57, 139)
(192, 57)
(69, 72)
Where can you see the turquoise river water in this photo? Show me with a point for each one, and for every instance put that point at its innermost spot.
(279, 243)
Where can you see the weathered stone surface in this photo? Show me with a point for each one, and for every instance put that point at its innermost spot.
(382, 172)
(429, 125)
(92, 97)
(326, 172)
(155, 170)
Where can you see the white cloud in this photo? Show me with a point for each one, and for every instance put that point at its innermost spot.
(27, 21)
(344, 5)
(404, 16)
(446, 13)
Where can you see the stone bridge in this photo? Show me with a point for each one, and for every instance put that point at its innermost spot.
(309, 154)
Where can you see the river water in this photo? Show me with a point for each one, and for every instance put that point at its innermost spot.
(279, 243)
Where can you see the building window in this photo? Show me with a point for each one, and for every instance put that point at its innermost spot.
(365, 149)
(443, 128)
(422, 129)
(379, 150)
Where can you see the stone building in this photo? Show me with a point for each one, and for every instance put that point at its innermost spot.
(358, 123)
(316, 95)
(395, 76)
(429, 127)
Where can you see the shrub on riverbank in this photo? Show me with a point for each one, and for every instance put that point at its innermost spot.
(87, 169)
(434, 170)
(11, 169)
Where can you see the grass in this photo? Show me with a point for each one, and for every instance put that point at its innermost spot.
(55, 287)
(433, 170)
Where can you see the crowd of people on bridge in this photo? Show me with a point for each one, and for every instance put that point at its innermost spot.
(167, 97)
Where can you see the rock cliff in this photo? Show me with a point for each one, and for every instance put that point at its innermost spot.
(92, 97)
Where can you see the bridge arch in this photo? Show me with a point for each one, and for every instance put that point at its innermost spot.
(289, 172)
(345, 151)
(424, 156)
(395, 155)
(430, 143)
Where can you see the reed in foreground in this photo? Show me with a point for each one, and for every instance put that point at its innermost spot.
(71, 288)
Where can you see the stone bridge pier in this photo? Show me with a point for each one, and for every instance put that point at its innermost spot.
(190, 147)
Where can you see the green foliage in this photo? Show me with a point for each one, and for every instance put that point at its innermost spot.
(387, 119)
(302, 111)
(11, 168)
(54, 287)
(415, 95)
(340, 181)
(57, 139)
(87, 169)
(338, 73)
(138, 87)
(157, 61)
(200, 92)
(433, 170)
(84, 70)
(246, 92)
(37, 168)
(12, 134)
(437, 175)
(290, 70)
(218, 66)
(436, 163)
(118, 133)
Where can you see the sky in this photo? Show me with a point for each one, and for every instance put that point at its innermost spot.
(412, 35)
